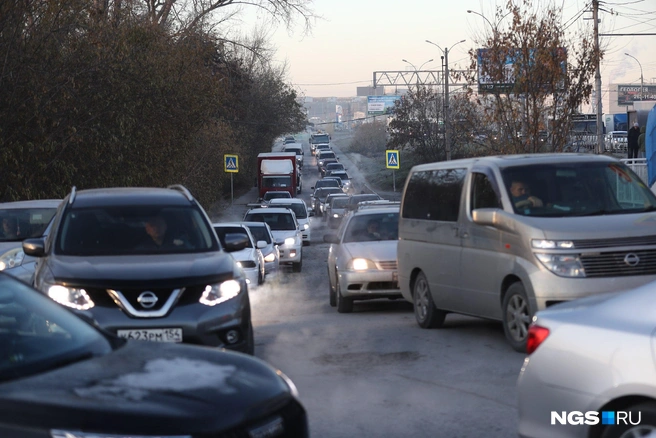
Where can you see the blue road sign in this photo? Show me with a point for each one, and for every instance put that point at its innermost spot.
(392, 159)
(231, 163)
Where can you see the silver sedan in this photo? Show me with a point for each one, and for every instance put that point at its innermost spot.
(362, 258)
(591, 369)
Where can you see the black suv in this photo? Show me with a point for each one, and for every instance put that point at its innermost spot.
(145, 263)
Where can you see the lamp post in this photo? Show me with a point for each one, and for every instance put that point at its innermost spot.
(417, 69)
(446, 96)
(642, 82)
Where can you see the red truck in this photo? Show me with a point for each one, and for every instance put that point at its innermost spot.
(278, 171)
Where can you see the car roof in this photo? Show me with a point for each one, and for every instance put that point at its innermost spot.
(377, 210)
(270, 210)
(33, 203)
(121, 196)
(286, 201)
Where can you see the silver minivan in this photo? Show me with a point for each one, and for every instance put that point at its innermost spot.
(503, 237)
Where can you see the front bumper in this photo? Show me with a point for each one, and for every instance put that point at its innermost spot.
(369, 284)
(290, 253)
(200, 324)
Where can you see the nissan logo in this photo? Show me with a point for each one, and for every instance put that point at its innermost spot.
(148, 299)
(631, 259)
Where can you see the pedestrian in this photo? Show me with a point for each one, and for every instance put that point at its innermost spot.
(633, 135)
(641, 142)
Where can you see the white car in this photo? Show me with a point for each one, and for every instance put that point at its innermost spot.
(285, 228)
(262, 232)
(250, 259)
(591, 370)
(300, 209)
(362, 263)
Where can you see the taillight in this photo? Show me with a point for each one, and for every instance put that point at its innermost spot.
(536, 336)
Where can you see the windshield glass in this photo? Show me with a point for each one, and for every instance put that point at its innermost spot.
(129, 230)
(37, 334)
(277, 221)
(576, 189)
(260, 233)
(21, 224)
(325, 191)
(339, 202)
(276, 181)
(321, 138)
(298, 209)
(222, 231)
(368, 227)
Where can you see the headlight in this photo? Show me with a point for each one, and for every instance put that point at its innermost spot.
(552, 244)
(270, 257)
(71, 434)
(12, 259)
(335, 215)
(71, 297)
(563, 265)
(218, 293)
(361, 264)
(306, 226)
(239, 264)
(290, 241)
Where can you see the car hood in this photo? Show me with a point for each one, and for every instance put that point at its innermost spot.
(283, 234)
(147, 388)
(106, 271)
(383, 250)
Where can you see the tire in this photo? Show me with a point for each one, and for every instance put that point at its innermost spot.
(296, 267)
(344, 305)
(331, 292)
(426, 314)
(517, 315)
(647, 425)
(261, 276)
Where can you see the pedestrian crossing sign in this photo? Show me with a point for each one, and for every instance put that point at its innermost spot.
(231, 163)
(392, 158)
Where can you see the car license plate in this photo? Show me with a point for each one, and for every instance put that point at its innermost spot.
(156, 335)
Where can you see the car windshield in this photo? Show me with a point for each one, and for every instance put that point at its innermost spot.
(130, 230)
(38, 335)
(576, 189)
(372, 227)
(328, 182)
(321, 138)
(323, 192)
(260, 233)
(277, 221)
(222, 231)
(334, 166)
(339, 202)
(340, 175)
(326, 155)
(21, 224)
(299, 209)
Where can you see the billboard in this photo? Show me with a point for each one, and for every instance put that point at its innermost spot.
(484, 58)
(381, 105)
(629, 93)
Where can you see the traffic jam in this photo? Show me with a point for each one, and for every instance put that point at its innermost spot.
(129, 312)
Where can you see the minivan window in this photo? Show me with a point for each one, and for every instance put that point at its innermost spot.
(483, 194)
(434, 195)
(581, 189)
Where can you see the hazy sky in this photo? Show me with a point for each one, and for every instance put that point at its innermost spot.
(354, 38)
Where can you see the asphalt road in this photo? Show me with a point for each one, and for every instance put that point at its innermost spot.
(375, 373)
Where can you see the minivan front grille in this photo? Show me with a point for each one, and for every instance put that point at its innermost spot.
(620, 241)
(619, 264)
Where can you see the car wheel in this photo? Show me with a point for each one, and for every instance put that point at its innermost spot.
(646, 412)
(296, 267)
(517, 316)
(426, 314)
(331, 291)
(344, 305)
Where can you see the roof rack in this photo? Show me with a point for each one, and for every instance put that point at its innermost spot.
(72, 197)
(182, 189)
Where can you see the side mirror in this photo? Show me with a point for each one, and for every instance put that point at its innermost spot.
(279, 242)
(235, 242)
(261, 244)
(330, 238)
(312, 188)
(34, 247)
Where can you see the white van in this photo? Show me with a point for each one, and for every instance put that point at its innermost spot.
(503, 237)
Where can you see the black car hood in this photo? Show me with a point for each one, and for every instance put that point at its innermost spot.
(150, 389)
(116, 271)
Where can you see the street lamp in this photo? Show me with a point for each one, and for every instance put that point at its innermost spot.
(417, 69)
(446, 95)
(642, 82)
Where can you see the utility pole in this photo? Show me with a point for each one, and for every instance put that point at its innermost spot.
(447, 124)
(595, 17)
